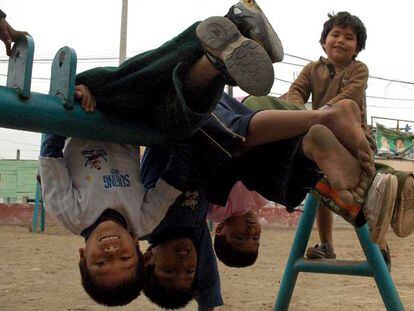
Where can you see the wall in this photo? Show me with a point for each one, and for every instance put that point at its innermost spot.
(402, 165)
(17, 180)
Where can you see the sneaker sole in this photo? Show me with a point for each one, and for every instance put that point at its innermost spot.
(386, 205)
(268, 38)
(245, 60)
(403, 220)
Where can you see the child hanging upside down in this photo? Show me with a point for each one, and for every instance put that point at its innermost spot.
(276, 153)
(93, 188)
(238, 229)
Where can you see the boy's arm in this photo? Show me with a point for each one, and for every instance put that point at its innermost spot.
(355, 87)
(208, 290)
(52, 146)
(164, 175)
(8, 34)
(300, 90)
(61, 198)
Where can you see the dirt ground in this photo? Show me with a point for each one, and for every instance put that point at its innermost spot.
(39, 272)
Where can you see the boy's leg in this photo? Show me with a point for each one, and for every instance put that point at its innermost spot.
(325, 249)
(376, 208)
(152, 87)
(270, 125)
(358, 145)
(321, 146)
(324, 218)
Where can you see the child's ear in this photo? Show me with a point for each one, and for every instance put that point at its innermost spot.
(81, 253)
(219, 228)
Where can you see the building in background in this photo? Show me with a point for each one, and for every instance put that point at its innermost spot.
(17, 180)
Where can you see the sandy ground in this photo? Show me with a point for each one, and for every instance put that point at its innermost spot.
(39, 272)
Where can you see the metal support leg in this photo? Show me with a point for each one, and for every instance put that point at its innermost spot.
(297, 251)
(374, 266)
(38, 206)
(382, 277)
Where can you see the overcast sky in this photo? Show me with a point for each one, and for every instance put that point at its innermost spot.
(92, 28)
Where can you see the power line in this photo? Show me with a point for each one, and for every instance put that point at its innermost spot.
(278, 79)
(98, 59)
(45, 60)
(292, 64)
(389, 107)
(17, 142)
(372, 77)
(391, 98)
(36, 78)
(298, 57)
(286, 81)
(368, 96)
(392, 80)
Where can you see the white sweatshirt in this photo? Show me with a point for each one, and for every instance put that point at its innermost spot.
(94, 176)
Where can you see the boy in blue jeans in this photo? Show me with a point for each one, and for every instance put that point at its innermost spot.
(180, 263)
(93, 189)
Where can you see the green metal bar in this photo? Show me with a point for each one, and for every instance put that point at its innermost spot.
(42, 215)
(19, 74)
(62, 80)
(36, 208)
(345, 267)
(374, 266)
(297, 251)
(386, 287)
(46, 114)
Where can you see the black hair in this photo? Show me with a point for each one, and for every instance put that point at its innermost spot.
(345, 19)
(231, 256)
(164, 297)
(116, 295)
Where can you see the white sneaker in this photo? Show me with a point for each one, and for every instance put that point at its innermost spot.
(379, 205)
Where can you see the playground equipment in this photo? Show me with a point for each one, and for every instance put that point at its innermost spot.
(56, 112)
(374, 266)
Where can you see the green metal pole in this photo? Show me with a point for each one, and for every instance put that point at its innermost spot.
(297, 251)
(46, 114)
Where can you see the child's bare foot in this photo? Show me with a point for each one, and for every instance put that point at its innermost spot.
(362, 188)
(340, 167)
(346, 196)
(344, 120)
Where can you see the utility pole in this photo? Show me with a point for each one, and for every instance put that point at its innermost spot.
(124, 26)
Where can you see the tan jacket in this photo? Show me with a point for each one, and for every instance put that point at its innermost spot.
(327, 86)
